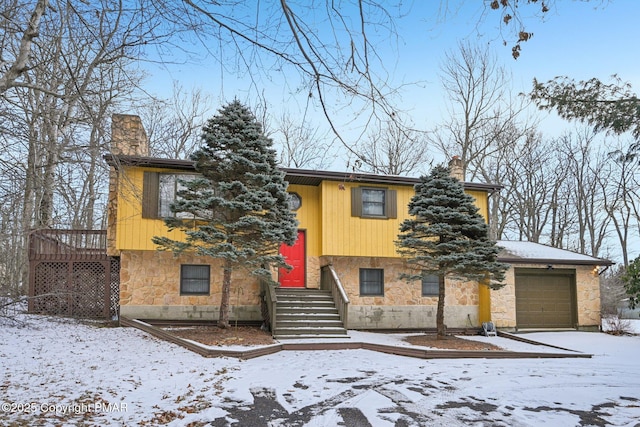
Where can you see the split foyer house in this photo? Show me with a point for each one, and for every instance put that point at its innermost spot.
(347, 227)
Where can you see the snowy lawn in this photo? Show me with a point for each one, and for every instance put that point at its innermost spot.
(61, 372)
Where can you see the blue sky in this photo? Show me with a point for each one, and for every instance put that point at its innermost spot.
(579, 39)
(576, 39)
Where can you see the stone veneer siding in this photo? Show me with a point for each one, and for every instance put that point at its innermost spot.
(503, 301)
(150, 289)
(313, 272)
(402, 306)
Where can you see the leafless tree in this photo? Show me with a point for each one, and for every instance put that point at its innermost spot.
(301, 145)
(585, 170)
(494, 169)
(620, 193)
(64, 70)
(395, 150)
(482, 113)
(174, 126)
(535, 201)
(333, 47)
(20, 26)
(58, 109)
(535, 178)
(564, 192)
(612, 291)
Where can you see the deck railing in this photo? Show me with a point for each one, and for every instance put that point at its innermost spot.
(67, 244)
(329, 280)
(70, 274)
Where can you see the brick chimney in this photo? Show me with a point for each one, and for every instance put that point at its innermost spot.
(457, 168)
(128, 136)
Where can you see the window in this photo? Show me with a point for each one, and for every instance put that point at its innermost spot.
(430, 285)
(371, 282)
(194, 279)
(168, 187)
(159, 191)
(373, 202)
(294, 200)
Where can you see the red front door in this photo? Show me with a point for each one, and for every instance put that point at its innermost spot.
(294, 255)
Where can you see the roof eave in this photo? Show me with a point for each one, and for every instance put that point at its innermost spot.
(121, 160)
(294, 176)
(595, 261)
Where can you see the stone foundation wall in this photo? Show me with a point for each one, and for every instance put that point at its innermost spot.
(150, 289)
(503, 301)
(190, 312)
(402, 306)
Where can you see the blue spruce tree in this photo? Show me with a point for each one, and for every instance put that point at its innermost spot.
(446, 236)
(237, 211)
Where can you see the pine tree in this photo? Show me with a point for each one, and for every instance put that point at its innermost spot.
(239, 206)
(446, 236)
(631, 281)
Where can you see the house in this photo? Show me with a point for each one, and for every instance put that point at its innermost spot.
(347, 227)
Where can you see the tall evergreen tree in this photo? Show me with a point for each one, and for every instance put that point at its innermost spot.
(446, 236)
(239, 206)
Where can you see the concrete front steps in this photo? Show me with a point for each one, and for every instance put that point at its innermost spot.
(307, 313)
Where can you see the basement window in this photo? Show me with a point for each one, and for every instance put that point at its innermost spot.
(194, 279)
(430, 285)
(371, 282)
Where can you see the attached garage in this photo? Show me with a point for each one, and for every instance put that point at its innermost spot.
(547, 288)
(545, 298)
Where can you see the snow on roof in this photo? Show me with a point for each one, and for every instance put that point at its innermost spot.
(515, 251)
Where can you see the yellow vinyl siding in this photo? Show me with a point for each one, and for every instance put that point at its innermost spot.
(133, 231)
(482, 202)
(325, 214)
(346, 235)
(308, 216)
(484, 302)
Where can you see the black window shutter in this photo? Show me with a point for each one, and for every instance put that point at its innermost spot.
(391, 202)
(150, 188)
(356, 201)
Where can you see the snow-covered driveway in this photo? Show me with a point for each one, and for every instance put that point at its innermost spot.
(57, 371)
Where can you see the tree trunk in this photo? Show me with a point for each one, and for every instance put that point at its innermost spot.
(440, 326)
(223, 320)
(20, 65)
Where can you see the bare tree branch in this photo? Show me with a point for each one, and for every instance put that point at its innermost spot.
(19, 65)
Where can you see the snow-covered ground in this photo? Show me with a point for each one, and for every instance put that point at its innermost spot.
(62, 372)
